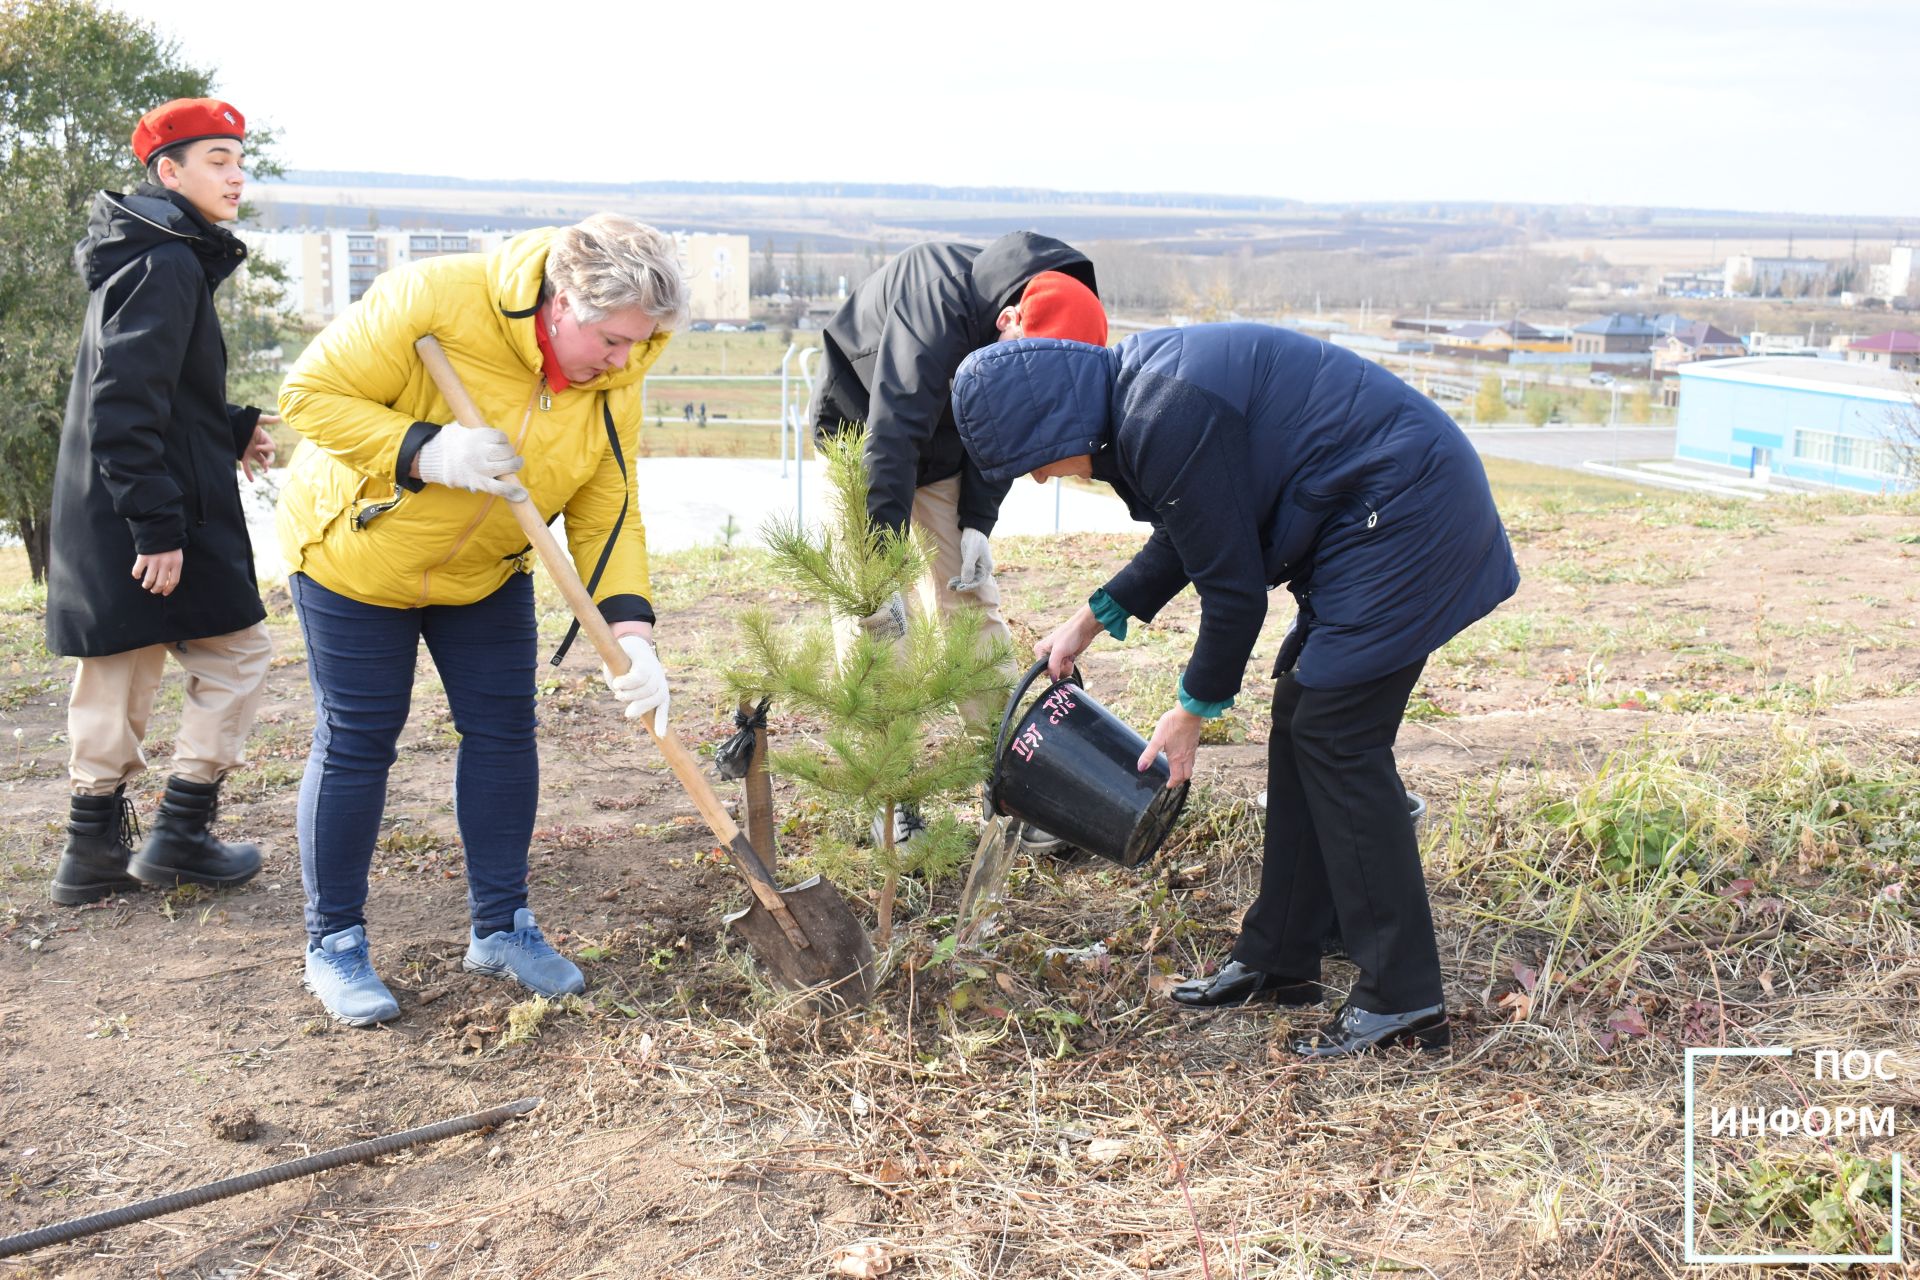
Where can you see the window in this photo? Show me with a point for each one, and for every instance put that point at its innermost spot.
(1853, 453)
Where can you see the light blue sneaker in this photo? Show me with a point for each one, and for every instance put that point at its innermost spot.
(525, 956)
(340, 972)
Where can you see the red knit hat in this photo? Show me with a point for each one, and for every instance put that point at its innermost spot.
(187, 120)
(1055, 305)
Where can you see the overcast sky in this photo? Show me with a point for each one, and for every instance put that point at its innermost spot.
(1808, 106)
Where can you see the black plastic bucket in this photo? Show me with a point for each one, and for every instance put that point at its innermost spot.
(1068, 768)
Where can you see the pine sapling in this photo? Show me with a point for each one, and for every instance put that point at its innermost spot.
(894, 734)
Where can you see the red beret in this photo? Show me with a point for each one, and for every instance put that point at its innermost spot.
(1055, 305)
(187, 120)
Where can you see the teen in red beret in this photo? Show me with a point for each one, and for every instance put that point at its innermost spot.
(149, 547)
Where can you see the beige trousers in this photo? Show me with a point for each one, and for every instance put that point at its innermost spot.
(113, 698)
(936, 513)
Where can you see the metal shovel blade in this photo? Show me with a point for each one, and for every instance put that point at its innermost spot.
(834, 968)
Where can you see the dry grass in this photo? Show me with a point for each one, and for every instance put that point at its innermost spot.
(1031, 1107)
(1735, 867)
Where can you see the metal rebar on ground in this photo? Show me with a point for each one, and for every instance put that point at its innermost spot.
(74, 1228)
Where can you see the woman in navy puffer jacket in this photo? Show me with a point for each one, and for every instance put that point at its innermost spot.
(1262, 457)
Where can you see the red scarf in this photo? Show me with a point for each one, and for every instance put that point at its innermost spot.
(549, 362)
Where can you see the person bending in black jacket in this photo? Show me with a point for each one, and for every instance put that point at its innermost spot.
(890, 355)
(149, 546)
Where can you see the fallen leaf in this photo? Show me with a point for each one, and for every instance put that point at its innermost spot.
(1526, 977)
(1161, 983)
(1518, 1003)
(1628, 1021)
(1004, 981)
(1107, 1150)
(890, 1170)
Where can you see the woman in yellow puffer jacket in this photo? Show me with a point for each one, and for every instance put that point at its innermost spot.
(395, 528)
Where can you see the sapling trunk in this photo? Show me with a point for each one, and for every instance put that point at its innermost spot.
(883, 924)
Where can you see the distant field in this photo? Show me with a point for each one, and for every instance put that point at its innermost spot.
(826, 225)
(1705, 251)
(729, 356)
(678, 440)
(729, 353)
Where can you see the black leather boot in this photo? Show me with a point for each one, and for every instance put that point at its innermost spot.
(180, 849)
(100, 835)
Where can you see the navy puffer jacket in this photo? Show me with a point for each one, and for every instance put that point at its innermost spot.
(1261, 457)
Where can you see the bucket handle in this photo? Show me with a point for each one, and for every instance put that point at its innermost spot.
(1006, 723)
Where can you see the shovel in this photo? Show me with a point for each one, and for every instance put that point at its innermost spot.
(805, 936)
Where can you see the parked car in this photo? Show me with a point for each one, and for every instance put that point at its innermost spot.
(754, 326)
(701, 326)
(1599, 379)
(724, 327)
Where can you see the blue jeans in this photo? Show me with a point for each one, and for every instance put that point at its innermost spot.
(360, 661)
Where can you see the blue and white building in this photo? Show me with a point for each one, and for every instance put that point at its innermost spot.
(1823, 422)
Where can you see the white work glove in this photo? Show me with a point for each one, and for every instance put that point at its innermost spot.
(644, 687)
(889, 621)
(976, 562)
(476, 458)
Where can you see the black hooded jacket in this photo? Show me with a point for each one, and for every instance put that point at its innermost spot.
(148, 447)
(893, 347)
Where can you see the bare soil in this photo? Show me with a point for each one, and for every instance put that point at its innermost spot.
(693, 1127)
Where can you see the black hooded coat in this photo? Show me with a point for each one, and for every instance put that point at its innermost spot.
(148, 447)
(893, 347)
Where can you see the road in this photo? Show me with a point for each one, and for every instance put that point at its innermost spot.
(1572, 446)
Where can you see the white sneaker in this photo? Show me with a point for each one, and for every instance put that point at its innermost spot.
(1034, 840)
(907, 823)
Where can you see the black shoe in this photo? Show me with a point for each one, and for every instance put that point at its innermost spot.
(100, 835)
(1236, 984)
(1355, 1030)
(180, 849)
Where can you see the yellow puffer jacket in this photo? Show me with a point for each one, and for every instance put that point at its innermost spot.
(346, 522)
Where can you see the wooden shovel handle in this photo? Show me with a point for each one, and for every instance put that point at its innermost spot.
(594, 627)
